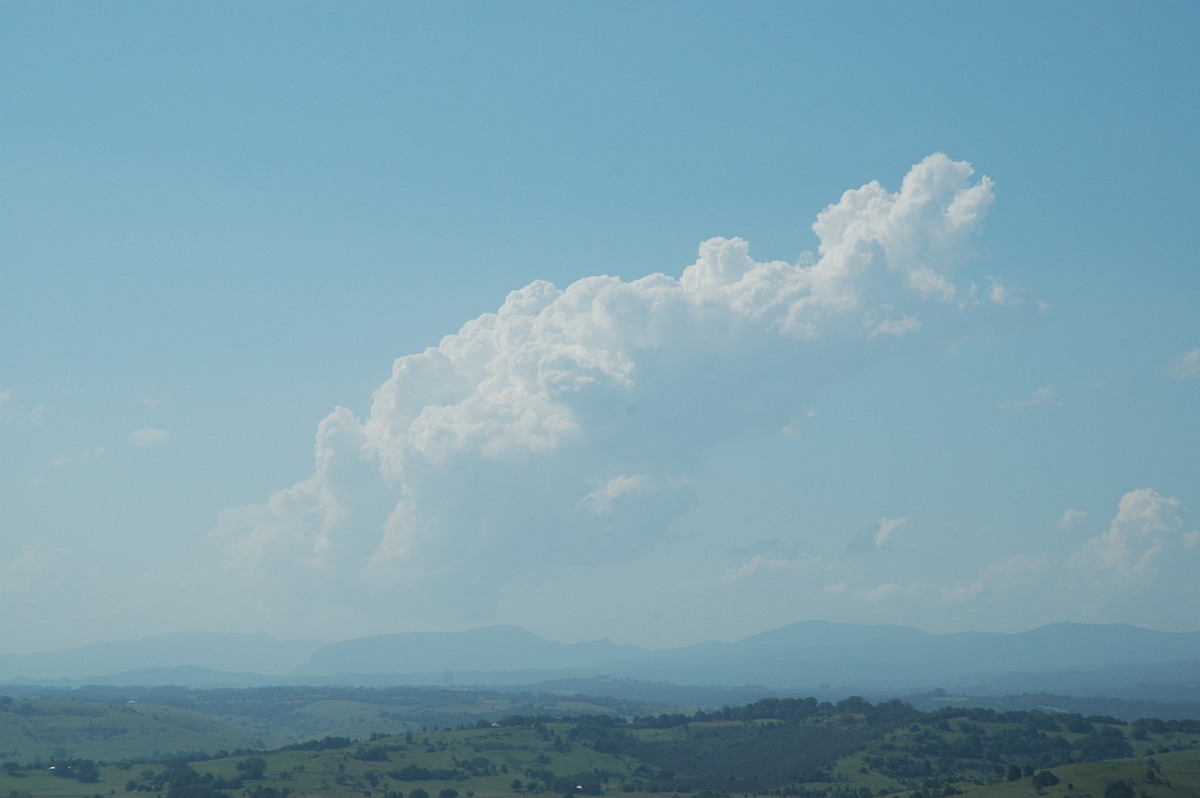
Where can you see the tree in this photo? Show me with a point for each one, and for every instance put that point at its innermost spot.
(516, 785)
(87, 772)
(449, 792)
(1045, 779)
(1118, 789)
(253, 768)
(418, 793)
(372, 753)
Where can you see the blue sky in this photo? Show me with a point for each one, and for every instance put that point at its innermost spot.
(235, 235)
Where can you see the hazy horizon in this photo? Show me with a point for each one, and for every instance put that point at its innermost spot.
(652, 323)
(325, 641)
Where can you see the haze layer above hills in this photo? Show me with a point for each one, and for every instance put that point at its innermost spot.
(1061, 657)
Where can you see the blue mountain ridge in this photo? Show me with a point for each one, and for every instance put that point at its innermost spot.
(802, 655)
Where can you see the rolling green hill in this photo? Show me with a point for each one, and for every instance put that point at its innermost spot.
(45, 729)
(1172, 775)
(783, 747)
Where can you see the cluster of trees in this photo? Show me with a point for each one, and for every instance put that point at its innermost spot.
(324, 744)
(371, 753)
(84, 770)
(179, 780)
(1008, 745)
(417, 773)
(417, 792)
(786, 710)
(789, 741)
(744, 749)
(1164, 727)
(776, 741)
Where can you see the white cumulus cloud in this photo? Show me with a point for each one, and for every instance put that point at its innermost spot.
(1135, 538)
(564, 427)
(1142, 565)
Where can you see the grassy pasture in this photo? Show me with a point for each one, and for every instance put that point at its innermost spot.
(841, 756)
(336, 774)
(1173, 775)
(45, 729)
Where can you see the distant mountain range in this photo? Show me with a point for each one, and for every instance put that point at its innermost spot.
(1067, 658)
(254, 653)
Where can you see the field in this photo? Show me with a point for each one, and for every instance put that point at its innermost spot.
(778, 747)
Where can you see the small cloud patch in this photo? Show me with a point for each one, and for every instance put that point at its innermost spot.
(1071, 519)
(150, 436)
(1187, 367)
